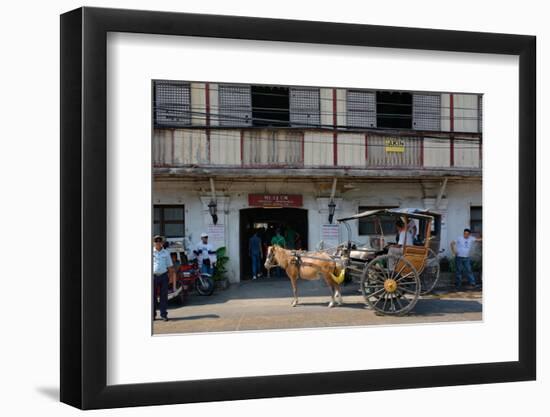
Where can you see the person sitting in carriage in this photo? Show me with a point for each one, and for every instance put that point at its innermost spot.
(396, 250)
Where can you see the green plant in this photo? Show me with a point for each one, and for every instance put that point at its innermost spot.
(221, 262)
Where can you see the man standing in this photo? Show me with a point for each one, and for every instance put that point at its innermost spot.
(396, 250)
(461, 249)
(278, 240)
(412, 231)
(206, 255)
(290, 238)
(255, 253)
(162, 265)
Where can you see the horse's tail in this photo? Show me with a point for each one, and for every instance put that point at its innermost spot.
(340, 277)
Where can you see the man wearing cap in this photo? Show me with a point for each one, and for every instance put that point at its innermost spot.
(206, 255)
(162, 265)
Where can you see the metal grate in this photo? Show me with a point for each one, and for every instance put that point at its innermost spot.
(361, 109)
(427, 112)
(235, 108)
(305, 107)
(172, 104)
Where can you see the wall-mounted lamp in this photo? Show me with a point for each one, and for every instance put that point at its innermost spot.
(213, 208)
(331, 210)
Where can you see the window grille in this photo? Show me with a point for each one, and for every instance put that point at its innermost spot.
(235, 107)
(305, 107)
(172, 104)
(427, 112)
(361, 109)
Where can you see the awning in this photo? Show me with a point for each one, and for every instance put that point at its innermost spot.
(411, 213)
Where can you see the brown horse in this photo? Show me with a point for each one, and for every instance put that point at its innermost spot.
(308, 266)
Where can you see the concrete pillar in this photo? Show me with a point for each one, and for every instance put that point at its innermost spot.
(322, 209)
(230, 239)
(442, 209)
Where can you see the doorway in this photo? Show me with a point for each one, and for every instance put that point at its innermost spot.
(293, 223)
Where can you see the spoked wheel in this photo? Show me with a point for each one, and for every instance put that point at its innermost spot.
(181, 296)
(205, 284)
(430, 275)
(390, 285)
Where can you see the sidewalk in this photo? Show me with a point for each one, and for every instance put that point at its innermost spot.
(266, 304)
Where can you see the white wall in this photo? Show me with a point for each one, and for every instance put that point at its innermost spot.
(195, 195)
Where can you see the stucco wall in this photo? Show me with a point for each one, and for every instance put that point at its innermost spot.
(195, 195)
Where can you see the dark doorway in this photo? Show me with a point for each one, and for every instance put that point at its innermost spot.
(394, 110)
(291, 221)
(270, 106)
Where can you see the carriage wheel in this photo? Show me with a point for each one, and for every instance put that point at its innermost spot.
(430, 275)
(391, 291)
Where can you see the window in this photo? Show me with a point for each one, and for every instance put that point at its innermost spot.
(169, 221)
(466, 113)
(427, 111)
(361, 108)
(270, 106)
(305, 107)
(394, 110)
(235, 108)
(369, 225)
(476, 225)
(172, 104)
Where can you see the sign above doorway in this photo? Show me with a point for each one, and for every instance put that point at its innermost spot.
(275, 200)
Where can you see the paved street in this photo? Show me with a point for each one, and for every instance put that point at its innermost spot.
(265, 304)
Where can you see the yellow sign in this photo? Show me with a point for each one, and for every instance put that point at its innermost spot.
(395, 145)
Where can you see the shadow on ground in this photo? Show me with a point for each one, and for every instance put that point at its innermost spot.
(440, 307)
(266, 288)
(430, 306)
(195, 317)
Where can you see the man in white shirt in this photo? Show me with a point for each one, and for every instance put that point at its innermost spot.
(162, 265)
(396, 250)
(461, 249)
(412, 231)
(206, 255)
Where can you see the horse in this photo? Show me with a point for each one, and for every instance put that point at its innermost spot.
(315, 266)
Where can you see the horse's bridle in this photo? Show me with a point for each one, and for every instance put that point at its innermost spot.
(271, 258)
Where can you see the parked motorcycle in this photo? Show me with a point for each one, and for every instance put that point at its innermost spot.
(190, 278)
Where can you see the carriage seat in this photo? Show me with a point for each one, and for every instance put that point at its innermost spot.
(416, 255)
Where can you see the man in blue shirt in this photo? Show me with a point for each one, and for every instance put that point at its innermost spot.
(162, 265)
(255, 252)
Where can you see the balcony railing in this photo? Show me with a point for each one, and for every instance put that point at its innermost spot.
(313, 148)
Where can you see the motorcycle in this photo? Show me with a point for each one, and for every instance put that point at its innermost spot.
(189, 277)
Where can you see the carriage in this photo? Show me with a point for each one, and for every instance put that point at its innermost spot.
(391, 282)
(392, 277)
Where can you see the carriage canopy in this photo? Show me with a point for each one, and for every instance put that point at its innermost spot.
(411, 213)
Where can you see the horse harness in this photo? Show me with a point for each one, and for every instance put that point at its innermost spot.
(299, 262)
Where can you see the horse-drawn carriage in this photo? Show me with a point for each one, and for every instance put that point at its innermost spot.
(392, 276)
(392, 281)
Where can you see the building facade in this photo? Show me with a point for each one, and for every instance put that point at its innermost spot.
(229, 158)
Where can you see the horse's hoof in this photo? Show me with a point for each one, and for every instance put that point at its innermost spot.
(294, 303)
(331, 304)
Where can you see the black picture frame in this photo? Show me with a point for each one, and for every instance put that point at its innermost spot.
(84, 207)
